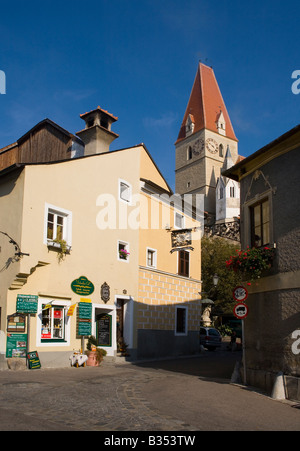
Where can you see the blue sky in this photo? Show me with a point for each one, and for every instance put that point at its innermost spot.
(138, 60)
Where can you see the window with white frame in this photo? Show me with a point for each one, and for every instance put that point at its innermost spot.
(53, 322)
(124, 191)
(123, 251)
(58, 225)
(151, 257)
(179, 220)
(181, 320)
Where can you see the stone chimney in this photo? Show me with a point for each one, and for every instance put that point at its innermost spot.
(97, 135)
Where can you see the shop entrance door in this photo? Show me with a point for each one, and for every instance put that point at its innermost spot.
(120, 324)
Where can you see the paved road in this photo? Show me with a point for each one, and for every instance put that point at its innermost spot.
(190, 394)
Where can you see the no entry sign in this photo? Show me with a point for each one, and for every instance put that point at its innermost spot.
(240, 310)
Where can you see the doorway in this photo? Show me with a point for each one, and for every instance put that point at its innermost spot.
(124, 323)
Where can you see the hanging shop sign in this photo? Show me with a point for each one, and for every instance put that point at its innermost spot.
(27, 303)
(182, 237)
(105, 292)
(104, 323)
(16, 323)
(33, 360)
(84, 322)
(16, 345)
(82, 286)
(240, 294)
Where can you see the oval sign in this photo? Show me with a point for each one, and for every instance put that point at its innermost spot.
(82, 286)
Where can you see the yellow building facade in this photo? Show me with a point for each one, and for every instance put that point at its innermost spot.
(99, 230)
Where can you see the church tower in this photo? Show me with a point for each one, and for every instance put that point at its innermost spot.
(204, 138)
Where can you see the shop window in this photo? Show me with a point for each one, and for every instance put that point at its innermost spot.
(184, 263)
(53, 323)
(181, 318)
(260, 223)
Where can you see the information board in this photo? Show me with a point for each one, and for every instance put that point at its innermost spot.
(27, 303)
(16, 345)
(104, 322)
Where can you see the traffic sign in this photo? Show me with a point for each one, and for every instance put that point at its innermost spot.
(240, 294)
(241, 310)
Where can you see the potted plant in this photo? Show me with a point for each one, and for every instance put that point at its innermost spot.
(122, 347)
(123, 254)
(252, 262)
(95, 354)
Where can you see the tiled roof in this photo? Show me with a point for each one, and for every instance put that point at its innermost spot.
(205, 104)
(99, 109)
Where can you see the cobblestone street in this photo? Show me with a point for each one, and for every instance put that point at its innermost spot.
(175, 395)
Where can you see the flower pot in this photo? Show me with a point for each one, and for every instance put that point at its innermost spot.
(92, 359)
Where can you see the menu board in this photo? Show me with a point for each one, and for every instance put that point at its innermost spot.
(104, 330)
(33, 360)
(85, 318)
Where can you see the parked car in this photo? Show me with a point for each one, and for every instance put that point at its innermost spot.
(210, 338)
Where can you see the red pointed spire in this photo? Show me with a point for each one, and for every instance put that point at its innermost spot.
(205, 104)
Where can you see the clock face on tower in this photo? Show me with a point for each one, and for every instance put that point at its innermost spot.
(198, 146)
(211, 145)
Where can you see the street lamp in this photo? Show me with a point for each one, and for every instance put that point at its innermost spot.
(215, 279)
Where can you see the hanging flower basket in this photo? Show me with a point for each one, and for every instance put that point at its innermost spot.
(251, 263)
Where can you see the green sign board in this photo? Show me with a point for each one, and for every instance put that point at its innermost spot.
(33, 360)
(85, 310)
(85, 318)
(84, 328)
(82, 286)
(27, 303)
(16, 345)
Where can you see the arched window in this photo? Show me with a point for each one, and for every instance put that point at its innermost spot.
(221, 150)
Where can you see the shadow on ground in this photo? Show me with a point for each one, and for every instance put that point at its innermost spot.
(212, 365)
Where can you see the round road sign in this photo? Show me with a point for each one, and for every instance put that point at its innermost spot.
(240, 310)
(240, 294)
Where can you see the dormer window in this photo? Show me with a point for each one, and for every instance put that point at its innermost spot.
(221, 125)
(189, 125)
